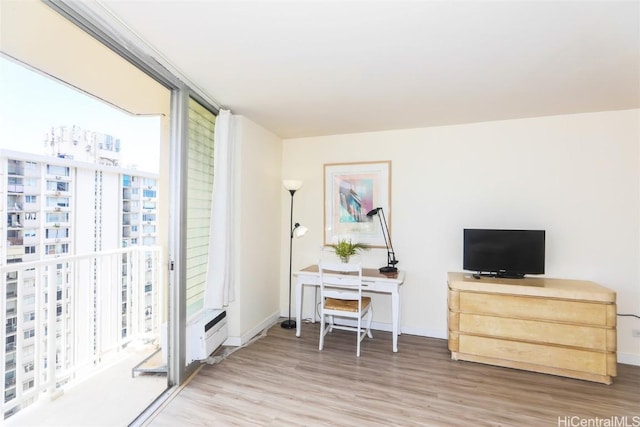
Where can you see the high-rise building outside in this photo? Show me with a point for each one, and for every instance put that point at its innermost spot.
(73, 287)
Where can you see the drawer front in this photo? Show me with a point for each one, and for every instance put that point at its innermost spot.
(587, 337)
(538, 308)
(537, 354)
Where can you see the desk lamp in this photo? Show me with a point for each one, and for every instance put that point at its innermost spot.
(391, 255)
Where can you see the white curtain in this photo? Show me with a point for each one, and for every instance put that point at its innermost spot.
(219, 289)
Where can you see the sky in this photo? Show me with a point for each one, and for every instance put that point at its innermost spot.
(31, 103)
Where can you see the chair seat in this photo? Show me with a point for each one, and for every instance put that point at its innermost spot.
(346, 305)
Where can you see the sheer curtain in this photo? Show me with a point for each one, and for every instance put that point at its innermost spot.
(219, 289)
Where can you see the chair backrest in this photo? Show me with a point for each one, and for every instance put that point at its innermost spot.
(340, 280)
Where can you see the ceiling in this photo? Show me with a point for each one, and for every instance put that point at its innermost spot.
(311, 68)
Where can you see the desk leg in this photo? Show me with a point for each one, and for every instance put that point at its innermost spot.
(395, 313)
(298, 307)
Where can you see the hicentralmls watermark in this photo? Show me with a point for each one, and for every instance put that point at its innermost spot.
(613, 421)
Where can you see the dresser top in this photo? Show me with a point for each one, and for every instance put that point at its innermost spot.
(533, 286)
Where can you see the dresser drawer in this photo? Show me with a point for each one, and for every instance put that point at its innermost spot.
(571, 335)
(537, 354)
(586, 313)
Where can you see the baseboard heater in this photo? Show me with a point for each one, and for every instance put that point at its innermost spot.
(205, 333)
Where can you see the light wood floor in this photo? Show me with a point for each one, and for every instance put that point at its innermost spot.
(281, 380)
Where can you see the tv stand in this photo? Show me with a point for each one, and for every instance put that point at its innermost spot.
(555, 326)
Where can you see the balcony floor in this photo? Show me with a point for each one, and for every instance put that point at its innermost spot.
(112, 397)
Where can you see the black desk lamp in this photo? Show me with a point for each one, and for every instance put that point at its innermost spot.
(297, 230)
(391, 255)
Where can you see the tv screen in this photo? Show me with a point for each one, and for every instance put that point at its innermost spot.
(504, 253)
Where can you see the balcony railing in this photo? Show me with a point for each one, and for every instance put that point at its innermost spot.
(82, 323)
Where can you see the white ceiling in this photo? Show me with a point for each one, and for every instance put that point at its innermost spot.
(303, 68)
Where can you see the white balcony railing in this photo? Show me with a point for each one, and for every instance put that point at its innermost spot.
(87, 307)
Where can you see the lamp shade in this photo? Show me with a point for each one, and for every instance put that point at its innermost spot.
(300, 231)
(373, 211)
(292, 184)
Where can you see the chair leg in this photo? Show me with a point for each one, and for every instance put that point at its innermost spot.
(359, 336)
(369, 319)
(322, 332)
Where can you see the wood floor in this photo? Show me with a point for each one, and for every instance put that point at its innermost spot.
(281, 380)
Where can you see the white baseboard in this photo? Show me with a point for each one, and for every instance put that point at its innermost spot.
(237, 341)
(629, 359)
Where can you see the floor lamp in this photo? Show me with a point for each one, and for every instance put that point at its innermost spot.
(298, 230)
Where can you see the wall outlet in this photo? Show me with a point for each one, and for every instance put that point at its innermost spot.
(635, 333)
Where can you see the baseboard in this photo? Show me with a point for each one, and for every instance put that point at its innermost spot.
(629, 359)
(237, 341)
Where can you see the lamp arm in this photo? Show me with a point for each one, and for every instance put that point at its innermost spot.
(386, 230)
(391, 255)
(384, 235)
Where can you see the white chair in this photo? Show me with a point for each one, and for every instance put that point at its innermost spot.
(341, 296)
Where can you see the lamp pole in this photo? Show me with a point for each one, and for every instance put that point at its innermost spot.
(292, 187)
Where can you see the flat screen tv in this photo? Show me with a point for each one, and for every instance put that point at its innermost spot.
(504, 253)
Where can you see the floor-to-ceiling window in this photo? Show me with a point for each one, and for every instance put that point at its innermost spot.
(85, 135)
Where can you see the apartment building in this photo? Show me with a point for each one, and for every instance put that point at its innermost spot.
(70, 214)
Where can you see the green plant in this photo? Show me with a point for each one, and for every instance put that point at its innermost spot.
(345, 249)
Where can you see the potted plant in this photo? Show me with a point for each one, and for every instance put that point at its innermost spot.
(345, 248)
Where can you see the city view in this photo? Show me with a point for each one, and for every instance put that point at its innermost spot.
(78, 257)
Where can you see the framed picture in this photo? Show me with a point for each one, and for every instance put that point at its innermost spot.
(350, 191)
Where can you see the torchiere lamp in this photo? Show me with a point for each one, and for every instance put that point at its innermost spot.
(298, 230)
(391, 255)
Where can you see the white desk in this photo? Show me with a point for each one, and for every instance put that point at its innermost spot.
(372, 279)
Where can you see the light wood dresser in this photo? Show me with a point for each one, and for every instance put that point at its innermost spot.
(554, 326)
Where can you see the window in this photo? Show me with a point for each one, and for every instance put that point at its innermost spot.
(28, 350)
(28, 367)
(30, 199)
(148, 182)
(61, 248)
(29, 249)
(56, 233)
(149, 193)
(29, 333)
(57, 216)
(62, 202)
(57, 186)
(58, 170)
(29, 316)
(28, 385)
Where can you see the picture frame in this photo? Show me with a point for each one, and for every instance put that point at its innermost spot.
(350, 191)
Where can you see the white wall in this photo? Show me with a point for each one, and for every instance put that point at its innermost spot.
(576, 176)
(257, 236)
